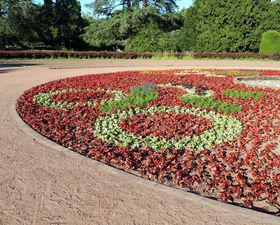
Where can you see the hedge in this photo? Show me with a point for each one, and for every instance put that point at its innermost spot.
(126, 55)
(270, 42)
(234, 55)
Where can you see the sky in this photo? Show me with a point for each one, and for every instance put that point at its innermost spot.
(181, 3)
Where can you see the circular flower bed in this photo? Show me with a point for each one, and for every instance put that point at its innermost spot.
(193, 129)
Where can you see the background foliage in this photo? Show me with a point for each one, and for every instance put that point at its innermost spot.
(138, 25)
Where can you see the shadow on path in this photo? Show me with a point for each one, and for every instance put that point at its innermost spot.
(17, 64)
(6, 70)
(8, 67)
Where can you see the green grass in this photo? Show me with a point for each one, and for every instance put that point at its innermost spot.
(243, 94)
(210, 102)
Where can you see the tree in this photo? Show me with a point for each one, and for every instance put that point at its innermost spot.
(152, 39)
(99, 34)
(68, 22)
(107, 7)
(19, 24)
(272, 21)
(165, 5)
(112, 32)
(49, 32)
(147, 40)
(230, 25)
(187, 35)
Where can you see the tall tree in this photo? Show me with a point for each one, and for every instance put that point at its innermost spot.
(230, 25)
(114, 31)
(145, 3)
(187, 35)
(272, 21)
(165, 5)
(19, 23)
(107, 7)
(47, 21)
(69, 23)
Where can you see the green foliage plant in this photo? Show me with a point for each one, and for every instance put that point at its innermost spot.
(210, 102)
(270, 42)
(139, 97)
(237, 72)
(243, 94)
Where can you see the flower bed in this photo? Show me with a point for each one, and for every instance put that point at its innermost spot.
(192, 129)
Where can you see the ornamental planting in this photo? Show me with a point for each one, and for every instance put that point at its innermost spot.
(193, 129)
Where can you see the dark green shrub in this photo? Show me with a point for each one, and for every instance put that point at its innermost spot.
(270, 42)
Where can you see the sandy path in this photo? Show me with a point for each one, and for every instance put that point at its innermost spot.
(42, 183)
(152, 64)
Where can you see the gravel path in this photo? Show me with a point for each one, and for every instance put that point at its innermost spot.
(151, 64)
(43, 183)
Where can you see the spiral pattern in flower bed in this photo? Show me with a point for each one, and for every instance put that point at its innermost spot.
(193, 129)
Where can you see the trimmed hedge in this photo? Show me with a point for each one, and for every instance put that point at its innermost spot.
(126, 55)
(233, 55)
(270, 42)
(73, 54)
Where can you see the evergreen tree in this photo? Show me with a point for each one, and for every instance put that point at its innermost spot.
(120, 25)
(68, 23)
(107, 7)
(187, 35)
(116, 30)
(19, 24)
(165, 5)
(230, 25)
(49, 32)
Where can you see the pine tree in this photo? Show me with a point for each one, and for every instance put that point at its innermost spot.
(69, 23)
(47, 22)
(107, 7)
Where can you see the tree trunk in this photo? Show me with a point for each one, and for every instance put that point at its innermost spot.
(145, 3)
(135, 4)
(128, 3)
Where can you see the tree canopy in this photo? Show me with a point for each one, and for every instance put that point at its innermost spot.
(138, 25)
(55, 24)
